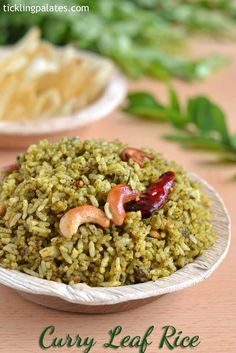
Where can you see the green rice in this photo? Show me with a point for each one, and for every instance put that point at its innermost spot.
(44, 188)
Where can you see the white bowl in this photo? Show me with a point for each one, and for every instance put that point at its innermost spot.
(20, 134)
(85, 299)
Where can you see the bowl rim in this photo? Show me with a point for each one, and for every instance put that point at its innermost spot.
(113, 95)
(200, 269)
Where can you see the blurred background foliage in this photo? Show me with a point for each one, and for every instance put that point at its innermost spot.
(142, 36)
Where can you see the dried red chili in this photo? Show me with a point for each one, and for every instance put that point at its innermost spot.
(155, 196)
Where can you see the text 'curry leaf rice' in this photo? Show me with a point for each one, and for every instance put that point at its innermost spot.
(100, 213)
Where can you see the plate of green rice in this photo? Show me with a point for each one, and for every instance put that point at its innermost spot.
(96, 226)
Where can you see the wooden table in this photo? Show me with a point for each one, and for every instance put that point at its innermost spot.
(207, 310)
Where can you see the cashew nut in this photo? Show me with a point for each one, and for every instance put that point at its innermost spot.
(136, 155)
(7, 170)
(73, 218)
(117, 197)
(2, 210)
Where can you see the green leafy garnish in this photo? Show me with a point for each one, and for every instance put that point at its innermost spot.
(144, 37)
(200, 123)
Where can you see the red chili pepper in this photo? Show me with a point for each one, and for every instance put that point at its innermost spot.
(155, 196)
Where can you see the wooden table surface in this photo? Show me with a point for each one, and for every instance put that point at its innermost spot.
(208, 309)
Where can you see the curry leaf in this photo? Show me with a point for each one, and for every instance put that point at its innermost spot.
(197, 142)
(174, 101)
(144, 104)
(208, 117)
(200, 122)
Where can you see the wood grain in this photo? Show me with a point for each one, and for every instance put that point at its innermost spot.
(208, 309)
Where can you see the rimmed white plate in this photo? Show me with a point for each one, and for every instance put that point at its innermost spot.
(110, 99)
(82, 298)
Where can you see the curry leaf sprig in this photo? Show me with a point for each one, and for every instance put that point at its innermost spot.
(142, 37)
(199, 124)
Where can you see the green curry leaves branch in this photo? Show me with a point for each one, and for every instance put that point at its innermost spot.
(199, 124)
(142, 37)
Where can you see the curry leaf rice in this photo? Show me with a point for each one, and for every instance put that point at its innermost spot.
(53, 178)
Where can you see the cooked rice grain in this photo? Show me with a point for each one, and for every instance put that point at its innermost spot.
(45, 187)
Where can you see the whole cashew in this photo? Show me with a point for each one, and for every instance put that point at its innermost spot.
(117, 197)
(136, 155)
(73, 218)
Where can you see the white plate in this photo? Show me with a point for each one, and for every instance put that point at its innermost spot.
(111, 98)
(82, 298)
